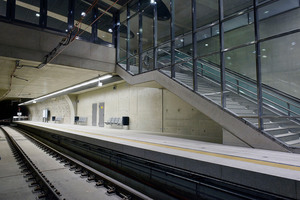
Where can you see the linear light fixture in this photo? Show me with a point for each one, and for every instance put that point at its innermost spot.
(97, 80)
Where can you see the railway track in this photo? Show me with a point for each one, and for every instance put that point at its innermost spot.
(54, 175)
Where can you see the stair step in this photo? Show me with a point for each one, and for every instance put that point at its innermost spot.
(288, 136)
(283, 130)
(293, 142)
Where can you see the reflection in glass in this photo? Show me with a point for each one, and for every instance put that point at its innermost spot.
(240, 32)
(163, 26)
(183, 16)
(286, 21)
(207, 12)
(134, 42)
(133, 64)
(28, 11)
(280, 66)
(234, 6)
(57, 15)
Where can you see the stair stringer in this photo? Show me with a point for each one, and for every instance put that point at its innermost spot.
(240, 128)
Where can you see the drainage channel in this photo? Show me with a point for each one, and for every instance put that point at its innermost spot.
(54, 175)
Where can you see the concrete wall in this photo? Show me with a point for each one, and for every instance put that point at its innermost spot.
(150, 109)
(59, 107)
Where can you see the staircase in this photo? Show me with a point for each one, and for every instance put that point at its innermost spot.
(279, 110)
(239, 100)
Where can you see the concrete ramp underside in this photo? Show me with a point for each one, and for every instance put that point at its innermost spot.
(238, 127)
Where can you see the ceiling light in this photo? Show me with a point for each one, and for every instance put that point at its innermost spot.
(206, 45)
(37, 14)
(83, 14)
(266, 12)
(152, 2)
(181, 40)
(66, 30)
(68, 89)
(100, 83)
(110, 30)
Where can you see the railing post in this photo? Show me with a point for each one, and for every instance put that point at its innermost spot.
(194, 37)
(172, 34)
(258, 65)
(222, 60)
(155, 36)
(289, 108)
(238, 86)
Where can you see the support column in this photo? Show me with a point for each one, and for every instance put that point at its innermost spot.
(128, 40)
(155, 36)
(258, 65)
(222, 60)
(95, 25)
(194, 38)
(172, 34)
(140, 39)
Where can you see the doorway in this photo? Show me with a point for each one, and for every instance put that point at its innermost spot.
(101, 114)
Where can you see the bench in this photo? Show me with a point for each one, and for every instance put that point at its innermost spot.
(80, 120)
(114, 121)
(57, 119)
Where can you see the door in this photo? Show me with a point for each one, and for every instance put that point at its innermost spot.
(101, 114)
(94, 114)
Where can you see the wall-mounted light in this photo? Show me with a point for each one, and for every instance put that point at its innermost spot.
(93, 81)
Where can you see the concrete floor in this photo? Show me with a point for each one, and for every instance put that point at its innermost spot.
(279, 171)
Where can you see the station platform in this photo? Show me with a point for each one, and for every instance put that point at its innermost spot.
(270, 171)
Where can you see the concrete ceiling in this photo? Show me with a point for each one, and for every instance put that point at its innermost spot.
(30, 82)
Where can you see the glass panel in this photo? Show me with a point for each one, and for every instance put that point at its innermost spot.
(237, 31)
(123, 15)
(163, 22)
(209, 78)
(163, 56)
(105, 27)
(183, 48)
(184, 73)
(280, 66)
(122, 42)
(183, 16)
(240, 75)
(209, 45)
(147, 40)
(134, 41)
(234, 6)
(2, 7)
(275, 14)
(202, 35)
(133, 65)
(57, 15)
(147, 60)
(133, 7)
(207, 12)
(86, 19)
(28, 11)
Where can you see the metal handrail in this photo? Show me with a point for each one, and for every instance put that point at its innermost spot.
(267, 91)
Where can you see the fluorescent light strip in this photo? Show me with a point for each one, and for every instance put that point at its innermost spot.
(68, 89)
